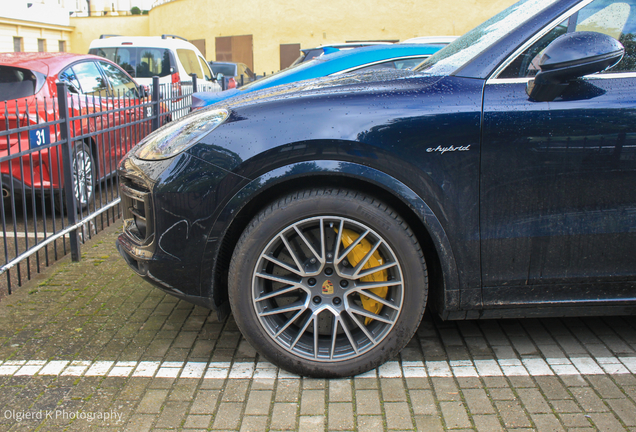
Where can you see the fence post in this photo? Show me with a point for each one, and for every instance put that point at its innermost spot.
(67, 157)
(155, 103)
(194, 82)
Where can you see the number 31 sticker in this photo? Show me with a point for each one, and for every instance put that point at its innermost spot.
(39, 137)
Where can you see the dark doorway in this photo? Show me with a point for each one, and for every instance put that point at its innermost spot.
(288, 53)
(236, 49)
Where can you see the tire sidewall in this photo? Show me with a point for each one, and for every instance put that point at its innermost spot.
(60, 194)
(81, 147)
(359, 208)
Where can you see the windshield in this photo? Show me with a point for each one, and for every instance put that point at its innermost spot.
(477, 40)
(281, 74)
(225, 69)
(138, 62)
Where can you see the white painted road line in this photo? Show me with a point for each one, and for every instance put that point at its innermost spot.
(390, 369)
(537, 367)
(99, 368)
(488, 368)
(146, 369)
(30, 368)
(530, 366)
(54, 367)
(463, 368)
(438, 369)
(218, 370)
(513, 367)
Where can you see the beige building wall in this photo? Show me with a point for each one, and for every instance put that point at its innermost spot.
(308, 22)
(30, 32)
(89, 28)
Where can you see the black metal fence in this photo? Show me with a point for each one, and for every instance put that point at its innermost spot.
(58, 164)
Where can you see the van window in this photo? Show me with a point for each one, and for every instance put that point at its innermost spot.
(137, 61)
(206, 69)
(190, 62)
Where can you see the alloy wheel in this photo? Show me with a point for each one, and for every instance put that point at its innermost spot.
(327, 288)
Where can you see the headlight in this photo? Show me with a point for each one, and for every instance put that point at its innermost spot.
(176, 137)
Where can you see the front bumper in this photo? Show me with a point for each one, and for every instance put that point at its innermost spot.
(169, 209)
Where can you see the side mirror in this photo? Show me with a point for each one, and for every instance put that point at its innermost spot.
(571, 56)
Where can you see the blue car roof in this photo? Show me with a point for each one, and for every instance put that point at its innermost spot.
(326, 65)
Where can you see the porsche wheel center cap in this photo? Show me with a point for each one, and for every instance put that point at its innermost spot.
(327, 287)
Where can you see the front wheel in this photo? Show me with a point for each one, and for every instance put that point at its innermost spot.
(328, 283)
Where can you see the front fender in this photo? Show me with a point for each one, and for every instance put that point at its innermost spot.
(234, 212)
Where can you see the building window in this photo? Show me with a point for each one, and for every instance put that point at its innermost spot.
(17, 44)
(61, 46)
(41, 45)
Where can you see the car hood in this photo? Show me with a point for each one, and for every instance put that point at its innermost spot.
(372, 81)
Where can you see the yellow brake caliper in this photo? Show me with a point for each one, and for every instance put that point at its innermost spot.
(354, 257)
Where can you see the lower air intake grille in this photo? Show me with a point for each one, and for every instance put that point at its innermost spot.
(137, 206)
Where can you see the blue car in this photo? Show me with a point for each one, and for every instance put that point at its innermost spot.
(496, 179)
(333, 62)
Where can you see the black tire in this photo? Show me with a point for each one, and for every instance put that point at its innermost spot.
(84, 173)
(302, 309)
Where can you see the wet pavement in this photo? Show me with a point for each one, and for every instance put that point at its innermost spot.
(90, 346)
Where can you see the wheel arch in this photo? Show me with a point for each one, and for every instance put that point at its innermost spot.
(440, 261)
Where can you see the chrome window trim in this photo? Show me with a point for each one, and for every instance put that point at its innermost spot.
(595, 76)
(423, 57)
(535, 38)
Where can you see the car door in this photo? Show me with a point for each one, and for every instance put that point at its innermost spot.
(558, 202)
(89, 95)
(126, 111)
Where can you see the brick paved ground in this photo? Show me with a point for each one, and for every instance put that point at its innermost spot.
(90, 346)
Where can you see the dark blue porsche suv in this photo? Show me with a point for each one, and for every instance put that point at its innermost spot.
(498, 179)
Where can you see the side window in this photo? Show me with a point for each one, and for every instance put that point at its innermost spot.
(124, 57)
(378, 66)
(527, 64)
(611, 17)
(409, 63)
(121, 83)
(151, 62)
(190, 62)
(90, 79)
(68, 76)
(209, 76)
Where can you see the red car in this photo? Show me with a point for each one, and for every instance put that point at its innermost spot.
(99, 91)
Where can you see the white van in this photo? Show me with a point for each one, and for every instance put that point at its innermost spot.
(171, 58)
